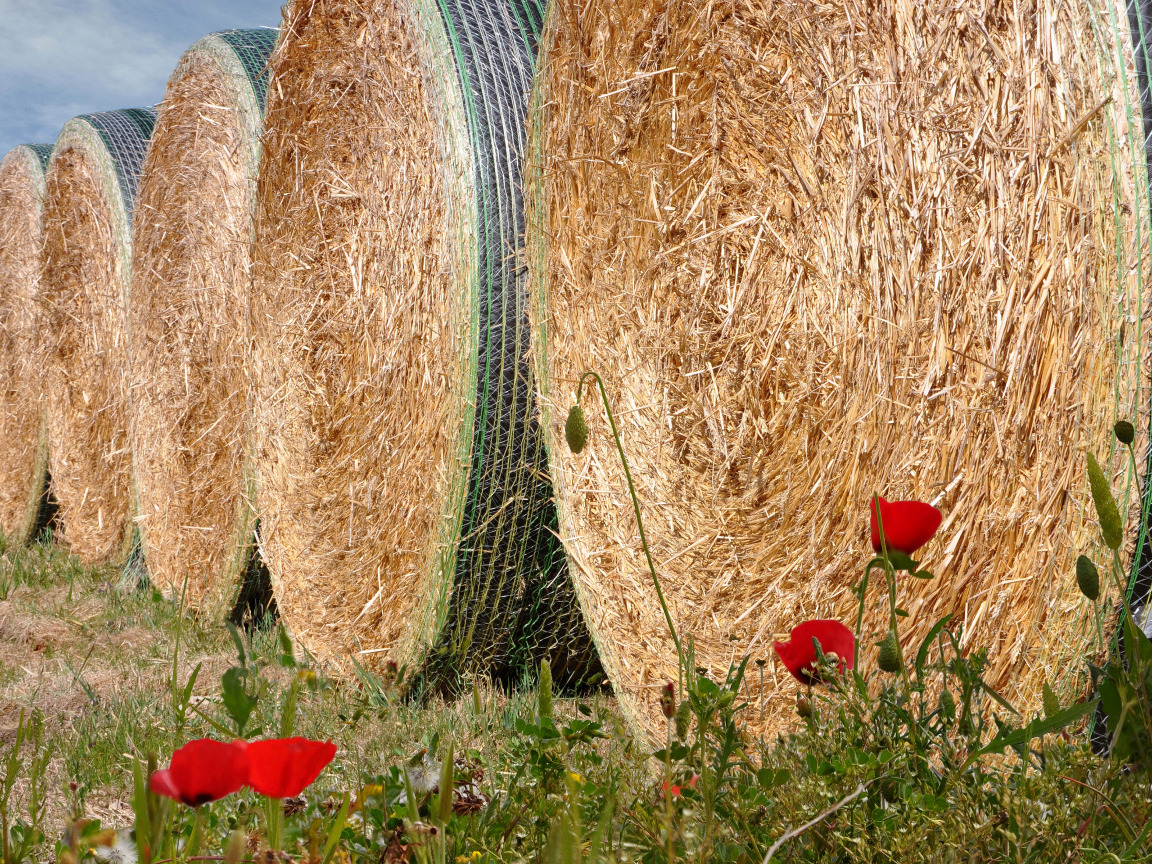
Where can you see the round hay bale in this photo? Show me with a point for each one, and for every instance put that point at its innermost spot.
(23, 450)
(191, 255)
(819, 251)
(403, 495)
(86, 260)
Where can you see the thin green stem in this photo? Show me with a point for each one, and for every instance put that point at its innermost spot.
(636, 507)
(668, 793)
(890, 577)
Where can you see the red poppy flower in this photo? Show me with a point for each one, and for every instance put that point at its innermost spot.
(283, 767)
(201, 771)
(908, 525)
(799, 654)
(677, 790)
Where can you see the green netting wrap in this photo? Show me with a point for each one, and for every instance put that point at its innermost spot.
(23, 445)
(404, 502)
(192, 244)
(86, 263)
(511, 602)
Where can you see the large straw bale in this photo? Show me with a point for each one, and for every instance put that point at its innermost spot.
(403, 497)
(23, 450)
(824, 250)
(189, 303)
(84, 283)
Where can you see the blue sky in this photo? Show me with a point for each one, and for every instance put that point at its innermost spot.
(60, 58)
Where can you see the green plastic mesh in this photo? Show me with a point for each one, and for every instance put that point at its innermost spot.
(512, 603)
(253, 48)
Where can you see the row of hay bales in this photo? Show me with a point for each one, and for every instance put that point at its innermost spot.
(334, 314)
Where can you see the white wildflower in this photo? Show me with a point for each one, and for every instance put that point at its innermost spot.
(424, 775)
(122, 850)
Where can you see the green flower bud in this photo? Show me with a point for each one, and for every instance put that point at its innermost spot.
(668, 700)
(1088, 578)
(890, 789)
(1125, 433)
(1110, 525)
(803, 707)
(545, 695)
(947, 705)
(889, 660)
(683, 718)
(576, 430)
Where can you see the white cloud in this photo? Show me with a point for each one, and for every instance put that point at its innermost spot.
(59, 58)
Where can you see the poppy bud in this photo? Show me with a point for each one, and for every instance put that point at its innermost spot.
(947, 705)
(668, 700)
(683, 718)
(1125, 433)
(576, 430)
(1088, 578)
(804, 706)
(1110, 525)
(890, 790)
(889, 660)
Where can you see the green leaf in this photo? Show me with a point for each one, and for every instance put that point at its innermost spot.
(287, 656)
(1136, 644)
(446, 785)
(902, 560)
(769, 779)
(926, 645)
(924, 574)
(186, 696)
(237, 701)
(238, 642)
(1038, 728)
(337, 827)
(1051, 703)
(1110, 525)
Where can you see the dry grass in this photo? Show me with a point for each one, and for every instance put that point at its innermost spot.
(22, 450)
(360, 325)
(84, 348)
(190, 282)
(821, 250)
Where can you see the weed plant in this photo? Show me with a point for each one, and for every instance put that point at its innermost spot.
(920, 760)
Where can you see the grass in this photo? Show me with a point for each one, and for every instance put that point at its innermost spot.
(534, 782)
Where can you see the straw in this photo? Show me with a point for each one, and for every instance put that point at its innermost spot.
(23, 450)
(90, 188)
(190, 283)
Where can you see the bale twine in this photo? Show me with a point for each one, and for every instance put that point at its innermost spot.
(190, 278)
(404, 502)
(23, 451)
(86, 261)
(820, 251)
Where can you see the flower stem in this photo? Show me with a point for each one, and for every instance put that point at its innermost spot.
(639, 519)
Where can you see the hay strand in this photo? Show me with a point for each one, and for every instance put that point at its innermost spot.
(189, 303)
(86, 260)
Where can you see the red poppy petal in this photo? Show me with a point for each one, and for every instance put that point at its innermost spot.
(203, 770)
(162, 784)
(284, 767)
(908, 525)
(799, 655)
